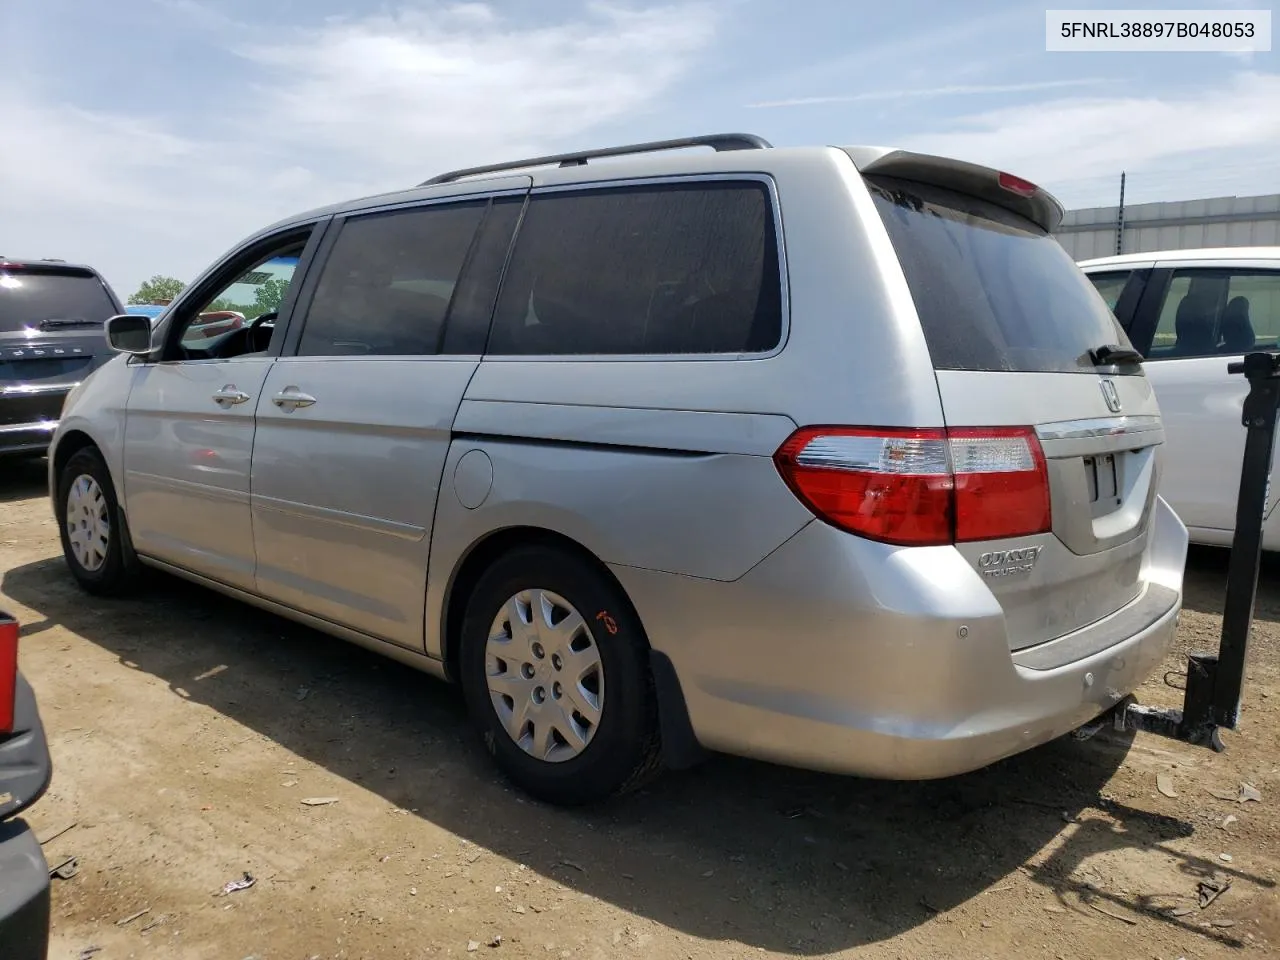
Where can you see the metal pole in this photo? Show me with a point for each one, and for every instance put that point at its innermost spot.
(1259, 417)
(1211, 700)
(1120, 219)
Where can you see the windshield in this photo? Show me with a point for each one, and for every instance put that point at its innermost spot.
(993, 290)
(32, 297)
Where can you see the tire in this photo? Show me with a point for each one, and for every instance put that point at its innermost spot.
(622, 748)
(118, 571)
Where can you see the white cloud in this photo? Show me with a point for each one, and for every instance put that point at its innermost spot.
(1183, 141)
(351, 106)
(924, 93)
(422, 86)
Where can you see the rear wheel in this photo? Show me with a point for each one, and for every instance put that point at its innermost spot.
(95, 540)
(555, 670)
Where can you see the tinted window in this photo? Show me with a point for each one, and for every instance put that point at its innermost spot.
(669, 269)
(387, 284)
(1109, 287)
(48, 298)
(993, 290)
(472, 307)
(1208, 313)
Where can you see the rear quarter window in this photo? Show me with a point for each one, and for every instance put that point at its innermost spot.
(668, 269)
(1110, 286)
(993, 291)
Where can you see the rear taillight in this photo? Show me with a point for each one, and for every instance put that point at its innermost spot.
(921, 487)
(8, 671)
(1002, 483)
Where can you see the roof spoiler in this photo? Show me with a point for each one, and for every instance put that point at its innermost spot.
(1003, 189)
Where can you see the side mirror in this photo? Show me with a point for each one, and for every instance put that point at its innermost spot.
(129, 333)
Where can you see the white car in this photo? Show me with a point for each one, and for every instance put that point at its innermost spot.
(1189, 313)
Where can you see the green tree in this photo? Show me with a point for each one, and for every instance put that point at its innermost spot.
(268, 297)
(222, 303)
(158, 288)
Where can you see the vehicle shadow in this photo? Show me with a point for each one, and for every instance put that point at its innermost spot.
(22, 478)
(779, 859)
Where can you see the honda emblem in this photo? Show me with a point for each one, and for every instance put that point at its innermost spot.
(1111, 395)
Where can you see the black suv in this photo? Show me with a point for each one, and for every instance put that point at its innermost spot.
(51, 337)
(25, 770)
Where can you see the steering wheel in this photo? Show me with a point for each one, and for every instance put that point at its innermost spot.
(255, 337)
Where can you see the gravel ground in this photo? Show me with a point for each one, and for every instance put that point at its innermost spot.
(187, 730)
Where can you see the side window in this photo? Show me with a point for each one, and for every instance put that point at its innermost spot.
(236, 313)
(1110, 286)
(685, 268)
(1220, 311)
(388, 282)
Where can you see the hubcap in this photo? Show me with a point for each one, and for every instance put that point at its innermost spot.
(545, 677)
(88, 526)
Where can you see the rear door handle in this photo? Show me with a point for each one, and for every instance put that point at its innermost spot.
(290, 398)
(230, 395)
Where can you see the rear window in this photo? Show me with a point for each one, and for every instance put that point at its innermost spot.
(688, 268)
(44, 298)
(993, 290)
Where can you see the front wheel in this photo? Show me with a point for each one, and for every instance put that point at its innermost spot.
(95, 540)
(554, 666)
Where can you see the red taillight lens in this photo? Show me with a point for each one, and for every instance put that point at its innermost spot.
(1023, 188)
(890, 485)
(8, 671)
(1001, 483)
(920, 487)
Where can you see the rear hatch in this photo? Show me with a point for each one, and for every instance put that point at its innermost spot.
(1020, 339)
(51, 334)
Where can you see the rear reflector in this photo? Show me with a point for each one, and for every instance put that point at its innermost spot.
(918, 487)
(1023, 188)
(8, 671)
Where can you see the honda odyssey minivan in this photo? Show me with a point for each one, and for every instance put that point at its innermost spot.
(825, 456)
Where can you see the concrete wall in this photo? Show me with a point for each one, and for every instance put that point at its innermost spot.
(1180, 225)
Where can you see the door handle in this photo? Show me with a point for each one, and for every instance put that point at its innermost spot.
(230, 395)
(290, 398)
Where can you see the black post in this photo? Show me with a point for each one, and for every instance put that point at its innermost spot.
(1120, 219)
(1259, 419)
(1215, 681)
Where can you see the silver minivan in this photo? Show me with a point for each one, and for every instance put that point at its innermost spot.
(825, 456)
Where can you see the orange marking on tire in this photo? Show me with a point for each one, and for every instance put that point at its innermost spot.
(609, 623)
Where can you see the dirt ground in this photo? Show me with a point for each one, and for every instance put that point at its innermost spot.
(187, 729)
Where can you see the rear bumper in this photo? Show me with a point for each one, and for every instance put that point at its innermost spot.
(29, 416)
(839, 654)
(24, 894)
(26, 437)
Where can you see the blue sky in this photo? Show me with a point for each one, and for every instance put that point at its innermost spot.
(148, 136)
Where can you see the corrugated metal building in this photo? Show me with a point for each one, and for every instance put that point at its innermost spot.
(1181, 225)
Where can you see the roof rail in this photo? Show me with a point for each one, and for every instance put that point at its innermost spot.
(717, 141)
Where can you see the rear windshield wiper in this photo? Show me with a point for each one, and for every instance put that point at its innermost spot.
(1110, 354)
(52, 322)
